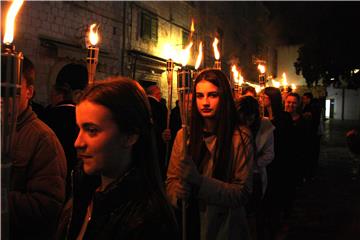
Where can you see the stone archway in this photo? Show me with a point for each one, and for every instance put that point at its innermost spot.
(75, 74)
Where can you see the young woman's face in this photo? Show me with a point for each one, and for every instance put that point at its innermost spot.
(207, 98)
(291, 104)
(264, 100)
(100, 145)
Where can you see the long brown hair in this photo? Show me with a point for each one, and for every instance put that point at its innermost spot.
(225, 124)
(127, 102)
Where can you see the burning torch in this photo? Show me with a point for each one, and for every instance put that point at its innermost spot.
(11, 74)
(170, 73)
(238, 82)
(261, 69)
(217, 54)
(285, 83)
(184, 84)
(93, 53)
(262, 84)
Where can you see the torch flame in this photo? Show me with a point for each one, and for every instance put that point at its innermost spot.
(185, 54)
(192, 29)
(216, 50)
(200, 56)
(275, 83)
(93, 35)
(284, 81)
(237, 76)
(241, 79)
(10, 21)
(293, 86)
(235, 72)
(169, 52)
(261, 68)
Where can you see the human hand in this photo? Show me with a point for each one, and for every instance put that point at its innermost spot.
(182, 190)
(189, 172)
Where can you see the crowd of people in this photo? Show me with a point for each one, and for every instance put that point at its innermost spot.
(96, 167)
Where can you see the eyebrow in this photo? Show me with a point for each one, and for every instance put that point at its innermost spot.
(88, 124)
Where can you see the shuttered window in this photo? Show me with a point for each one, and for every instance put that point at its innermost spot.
(149, 26)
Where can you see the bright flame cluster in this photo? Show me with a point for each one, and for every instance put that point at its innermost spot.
(284, 82)
(185, 54)
(238, 79)
(93, 34)
(10, 21)
(216, 50)
(261, 68)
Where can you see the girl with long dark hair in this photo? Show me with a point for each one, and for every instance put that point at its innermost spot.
(216, 176)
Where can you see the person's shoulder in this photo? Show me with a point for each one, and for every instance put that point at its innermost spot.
(266, 124)
(241, 132)
(40, 130)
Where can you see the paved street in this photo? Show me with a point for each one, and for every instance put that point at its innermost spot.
(329, 207)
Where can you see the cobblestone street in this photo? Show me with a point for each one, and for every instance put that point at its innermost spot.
(329, 206)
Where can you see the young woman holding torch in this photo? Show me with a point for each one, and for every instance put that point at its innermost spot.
(215, 178)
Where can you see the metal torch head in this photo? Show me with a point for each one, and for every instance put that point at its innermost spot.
(11, 75)
(184, 87)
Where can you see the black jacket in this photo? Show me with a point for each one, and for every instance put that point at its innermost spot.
(62, 120)
(125, 210)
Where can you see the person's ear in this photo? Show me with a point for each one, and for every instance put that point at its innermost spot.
(30, 92)
(130, 140)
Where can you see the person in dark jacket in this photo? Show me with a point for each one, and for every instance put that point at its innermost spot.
(159, 113)
(60, 117)
(302, 134)
(311, 110)
(280, 170)
(37, 182)
(118, 192)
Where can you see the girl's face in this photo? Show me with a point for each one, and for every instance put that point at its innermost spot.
(264, 100)
(207, 99)
(100, 144)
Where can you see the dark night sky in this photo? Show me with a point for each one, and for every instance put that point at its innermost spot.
(298, 21)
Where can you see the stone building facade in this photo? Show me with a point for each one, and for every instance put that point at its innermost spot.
(134, 37)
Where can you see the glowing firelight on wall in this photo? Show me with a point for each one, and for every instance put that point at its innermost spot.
(169, 52)
(93, 34)
(185, 54)
(293, 86)
(10, 21)
(216, 50)
(200, 56)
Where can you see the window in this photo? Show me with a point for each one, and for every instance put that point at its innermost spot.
(149, 26)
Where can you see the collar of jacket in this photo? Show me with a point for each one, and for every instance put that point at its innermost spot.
(126, 188)
(26, 116)
(65, 103)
